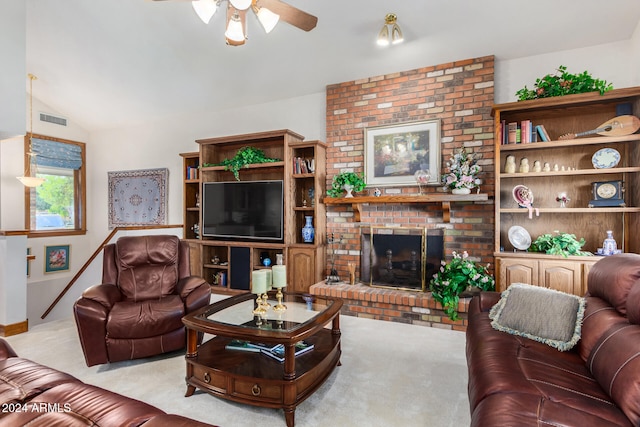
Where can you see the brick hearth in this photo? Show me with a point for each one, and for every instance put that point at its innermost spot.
(417, 308)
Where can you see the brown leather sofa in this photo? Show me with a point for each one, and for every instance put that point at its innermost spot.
(137, 310)
(38, 396)
(514, 381)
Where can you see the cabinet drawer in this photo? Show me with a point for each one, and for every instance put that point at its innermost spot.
(257, 390)
(209, 378)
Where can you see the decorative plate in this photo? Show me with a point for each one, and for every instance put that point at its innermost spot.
(605, 158)
(523, 196)
(519, 238)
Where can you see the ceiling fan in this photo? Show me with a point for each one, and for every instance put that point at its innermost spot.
(269, 12)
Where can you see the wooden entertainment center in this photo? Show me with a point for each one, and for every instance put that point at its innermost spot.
(227, 264)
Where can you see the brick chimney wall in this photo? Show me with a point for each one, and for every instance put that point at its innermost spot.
(460, 94)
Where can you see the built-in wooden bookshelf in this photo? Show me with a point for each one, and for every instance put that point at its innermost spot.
(574, 175)
(227, 264)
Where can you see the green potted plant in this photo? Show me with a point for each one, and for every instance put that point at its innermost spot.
(244, 157)
(564, 244)
(346, 181)
(457, 276)
(563, 83)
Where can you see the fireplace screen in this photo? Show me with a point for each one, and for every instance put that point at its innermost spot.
(400, 257)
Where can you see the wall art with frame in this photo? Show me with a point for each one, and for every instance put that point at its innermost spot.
(56, 258)
(394, 153)
(138, 197)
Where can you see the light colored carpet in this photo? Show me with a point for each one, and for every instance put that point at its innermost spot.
(391, 375)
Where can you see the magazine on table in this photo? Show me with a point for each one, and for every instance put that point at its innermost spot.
(242, 346)
(278, 353)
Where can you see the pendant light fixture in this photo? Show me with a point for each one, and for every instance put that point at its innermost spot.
(390, 32)
(30, 179)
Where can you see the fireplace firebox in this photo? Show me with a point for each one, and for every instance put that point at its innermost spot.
(400, 257)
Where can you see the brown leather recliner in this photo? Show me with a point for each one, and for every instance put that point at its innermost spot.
(137, 311)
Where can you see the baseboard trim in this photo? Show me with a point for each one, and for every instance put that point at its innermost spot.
(14, 329)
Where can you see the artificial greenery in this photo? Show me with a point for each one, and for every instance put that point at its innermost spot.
(564, 244)
(349, 178)
(563, 83)
(457, 276)
(244, 157)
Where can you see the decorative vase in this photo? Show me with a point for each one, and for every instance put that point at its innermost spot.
(308, 232)
(279, 259)
(460, 191)
(348, 188)
(609, 246)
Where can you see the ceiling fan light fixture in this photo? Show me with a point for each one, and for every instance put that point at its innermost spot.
(241, 4)
(205, 9)
(235, 31)
(267, 18)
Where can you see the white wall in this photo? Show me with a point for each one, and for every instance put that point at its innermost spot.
(13, 41)
(616, 63)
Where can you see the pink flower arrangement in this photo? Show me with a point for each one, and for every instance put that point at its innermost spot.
(462, 171)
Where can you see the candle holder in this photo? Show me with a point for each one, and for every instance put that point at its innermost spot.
(259, 310)
(265, 304)
(279, 307)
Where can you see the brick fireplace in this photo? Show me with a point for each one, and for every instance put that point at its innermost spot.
(460, 95)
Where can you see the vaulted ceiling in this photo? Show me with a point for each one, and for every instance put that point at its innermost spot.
(109, 63)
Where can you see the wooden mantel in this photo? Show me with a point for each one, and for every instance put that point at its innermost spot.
(445, 199)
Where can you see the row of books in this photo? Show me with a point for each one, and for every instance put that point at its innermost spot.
(303, 165)
(523, 132)
(192, 172)
(275, 351)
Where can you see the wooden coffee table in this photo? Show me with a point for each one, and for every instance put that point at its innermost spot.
(255, 378)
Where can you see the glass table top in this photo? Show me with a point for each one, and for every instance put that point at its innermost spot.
(238, 311)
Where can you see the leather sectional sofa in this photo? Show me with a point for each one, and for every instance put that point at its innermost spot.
(38, 396)
(516, 381)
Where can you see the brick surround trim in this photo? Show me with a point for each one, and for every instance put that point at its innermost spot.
(417, 308)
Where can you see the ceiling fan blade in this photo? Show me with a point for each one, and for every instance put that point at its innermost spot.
(290, 14)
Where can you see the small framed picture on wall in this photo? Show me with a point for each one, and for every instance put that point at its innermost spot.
(56, 258)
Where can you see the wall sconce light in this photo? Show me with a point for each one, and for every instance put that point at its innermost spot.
(390, 32)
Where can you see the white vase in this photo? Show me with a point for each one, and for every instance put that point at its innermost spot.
(348, 188)
(460, 191)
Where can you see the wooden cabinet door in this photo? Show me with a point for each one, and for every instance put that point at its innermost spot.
(516, 270)
(564, 276)
(301, 269)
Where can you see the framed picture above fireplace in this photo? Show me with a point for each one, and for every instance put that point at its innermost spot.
(394, 153)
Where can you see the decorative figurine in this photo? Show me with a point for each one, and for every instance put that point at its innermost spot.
(536, 166)
(524, 165)
(546, 167)
(510, 164)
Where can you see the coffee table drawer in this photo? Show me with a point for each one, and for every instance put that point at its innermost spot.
(257, 390)
(209, 378)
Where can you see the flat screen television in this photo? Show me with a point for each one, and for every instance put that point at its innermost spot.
(243, 210)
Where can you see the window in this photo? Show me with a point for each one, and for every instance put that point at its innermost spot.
(57, 207)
